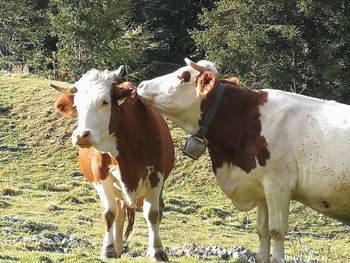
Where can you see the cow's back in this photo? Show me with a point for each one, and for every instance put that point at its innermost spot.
(312, 137)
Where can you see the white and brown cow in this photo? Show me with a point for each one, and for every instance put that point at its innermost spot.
(125, 151)
(267, 147)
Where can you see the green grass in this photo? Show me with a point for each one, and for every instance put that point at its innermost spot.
(44, 201)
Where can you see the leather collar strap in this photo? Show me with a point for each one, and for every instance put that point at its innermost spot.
(211, 113)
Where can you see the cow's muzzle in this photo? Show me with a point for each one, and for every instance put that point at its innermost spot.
(82, 139)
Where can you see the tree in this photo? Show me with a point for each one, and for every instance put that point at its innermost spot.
(24, 27)
(297, 46)
(95, 34)
(168, 22)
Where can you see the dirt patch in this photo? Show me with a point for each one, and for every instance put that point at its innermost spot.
(200, 252)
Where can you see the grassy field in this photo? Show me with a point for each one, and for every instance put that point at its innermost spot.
(48, 213)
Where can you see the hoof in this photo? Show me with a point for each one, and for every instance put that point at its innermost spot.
(109, 252)
(159, 255)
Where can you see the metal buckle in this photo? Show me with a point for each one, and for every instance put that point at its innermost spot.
(195, 146)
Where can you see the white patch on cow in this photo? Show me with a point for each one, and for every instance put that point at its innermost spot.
(144, 186)
(151, 203)
(106, 193)
(243, 190)
(93, 103)
(312, 138)
(176, 100)
(108, 145)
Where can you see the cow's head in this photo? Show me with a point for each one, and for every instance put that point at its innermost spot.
(92, 99)
(176, 95)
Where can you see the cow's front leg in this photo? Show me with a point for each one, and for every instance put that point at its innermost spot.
(153, 215)
(109, 205)
(262, 226)
(278, 195)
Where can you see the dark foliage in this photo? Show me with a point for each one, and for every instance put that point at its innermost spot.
(300, 46)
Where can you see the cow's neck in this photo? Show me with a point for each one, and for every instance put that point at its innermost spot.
(131, 136)
(234, 135)
(125, 124)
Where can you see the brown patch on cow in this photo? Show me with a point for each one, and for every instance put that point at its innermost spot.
(109, 217)
(143, 141)
(122, 90)
(185, 76)
(139, 204)
(94, 165)
(100, 165)
(234, 135)
(64, 105)
(153, 177)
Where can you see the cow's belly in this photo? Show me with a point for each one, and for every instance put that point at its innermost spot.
(143, 189)
(130, 197)
(326, 191)
(244, 190)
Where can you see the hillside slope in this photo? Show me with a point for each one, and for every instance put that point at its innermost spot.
(48, 213)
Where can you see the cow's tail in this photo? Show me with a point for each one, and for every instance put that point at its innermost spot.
(130, 213)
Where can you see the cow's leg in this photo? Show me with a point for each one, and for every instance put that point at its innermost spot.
(152, 212)
(278, 197)
(119, 224)
(262, 226)
(109, 205)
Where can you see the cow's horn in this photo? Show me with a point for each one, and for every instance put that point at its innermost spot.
(61, 89)
(72, 89)
(119, 72)
(195, 66)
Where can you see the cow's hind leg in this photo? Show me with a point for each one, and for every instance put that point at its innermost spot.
(119, 224)
(262, 226)
(109, 205)
(152, 212)
(278, 197)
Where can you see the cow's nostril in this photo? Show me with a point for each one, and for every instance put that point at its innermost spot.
(141, 85)
(85, 134)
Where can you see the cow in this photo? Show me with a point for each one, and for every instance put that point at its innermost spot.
(267, 147)
(125, 151)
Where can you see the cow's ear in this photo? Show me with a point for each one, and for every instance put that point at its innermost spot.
(65, 105)
(207, 82)
(123, 90)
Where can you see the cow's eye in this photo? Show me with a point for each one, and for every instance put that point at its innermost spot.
(105, 102)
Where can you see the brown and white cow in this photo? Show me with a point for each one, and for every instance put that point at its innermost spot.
(267, 147)
(125, 151)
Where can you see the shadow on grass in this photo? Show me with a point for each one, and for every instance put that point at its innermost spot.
(8, 258)
(4, 204)
(5, 110)
(181, 206)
